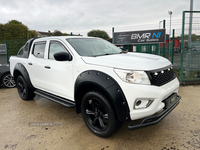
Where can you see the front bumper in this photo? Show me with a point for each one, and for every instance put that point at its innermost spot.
(134, 92)
(170, 104)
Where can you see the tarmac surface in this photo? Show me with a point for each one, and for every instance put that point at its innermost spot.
(40, 124)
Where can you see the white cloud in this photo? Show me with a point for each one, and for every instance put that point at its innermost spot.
(81, 16)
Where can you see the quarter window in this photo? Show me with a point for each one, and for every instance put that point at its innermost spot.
(55, 47)
(26, 47)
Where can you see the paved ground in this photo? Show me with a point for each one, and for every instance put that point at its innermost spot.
(179, 130)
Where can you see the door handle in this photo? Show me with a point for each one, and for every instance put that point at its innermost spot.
(47, 67)
(30, 63)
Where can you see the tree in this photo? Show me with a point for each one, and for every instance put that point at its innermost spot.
(15, 30)
(1, 31)
(66, 34)
(16, 35)
(32, 34)
(194, 37)
(57, 33)
(14, 22)
(99, 33)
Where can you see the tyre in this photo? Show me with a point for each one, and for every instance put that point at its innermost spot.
(8, 81)
(24, 92)
(98, 114)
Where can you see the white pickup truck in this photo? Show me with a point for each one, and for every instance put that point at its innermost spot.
(107, 86)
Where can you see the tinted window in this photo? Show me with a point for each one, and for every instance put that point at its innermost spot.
(26, 47)
(38, 50)
(21, 51)
(93, 47)
(55, 47)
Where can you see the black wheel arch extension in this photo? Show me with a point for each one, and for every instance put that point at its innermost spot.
(93, 80)
(21, 70)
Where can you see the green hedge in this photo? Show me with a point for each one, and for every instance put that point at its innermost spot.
(13, 46)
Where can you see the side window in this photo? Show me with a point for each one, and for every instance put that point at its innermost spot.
(21, 51)
(55, 47)
(38, 50)
(26, 47)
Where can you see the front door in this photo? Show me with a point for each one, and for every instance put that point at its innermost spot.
(58, 74)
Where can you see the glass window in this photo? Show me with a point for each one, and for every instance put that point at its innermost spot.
(26, 47)
(55, 47)
(21, 51)
(93, 46)
(38, 50)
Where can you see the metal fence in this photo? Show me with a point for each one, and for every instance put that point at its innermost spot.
(12, 47)
(168, 50)
(185, 57)
(190, 46)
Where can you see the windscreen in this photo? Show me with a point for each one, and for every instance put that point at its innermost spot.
(93, 47)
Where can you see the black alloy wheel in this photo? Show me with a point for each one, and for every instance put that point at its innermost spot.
(98, 114)
(24, 92)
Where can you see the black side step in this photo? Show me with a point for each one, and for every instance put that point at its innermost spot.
(55, 98)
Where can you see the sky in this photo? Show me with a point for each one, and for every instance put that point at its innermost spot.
(82, 16)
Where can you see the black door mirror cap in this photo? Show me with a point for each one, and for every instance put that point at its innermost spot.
(62, 56)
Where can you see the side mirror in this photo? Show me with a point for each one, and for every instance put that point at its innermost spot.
(62, 56)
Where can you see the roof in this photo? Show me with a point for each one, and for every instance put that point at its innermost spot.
(44, 33)
(66, 37)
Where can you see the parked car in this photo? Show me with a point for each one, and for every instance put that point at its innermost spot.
(106, 85)
(5, 77)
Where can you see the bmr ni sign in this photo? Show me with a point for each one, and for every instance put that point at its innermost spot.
(3, 49)
(139, 37)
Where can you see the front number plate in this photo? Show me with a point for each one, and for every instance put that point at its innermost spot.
(170, 100)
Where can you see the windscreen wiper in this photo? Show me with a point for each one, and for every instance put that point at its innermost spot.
(103, 54)
(123, 52)
(109, 54)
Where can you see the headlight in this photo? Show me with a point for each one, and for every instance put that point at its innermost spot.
(138, 77)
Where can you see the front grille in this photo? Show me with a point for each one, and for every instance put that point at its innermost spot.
(161, 76)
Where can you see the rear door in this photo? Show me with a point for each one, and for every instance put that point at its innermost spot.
(36, 64)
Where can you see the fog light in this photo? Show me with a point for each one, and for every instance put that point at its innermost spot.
(138, 103)
(142, 103)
